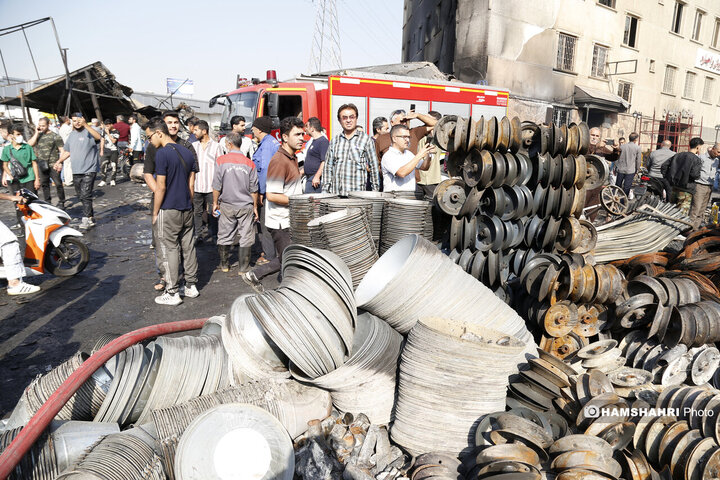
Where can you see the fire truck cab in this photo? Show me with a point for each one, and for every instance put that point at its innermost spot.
(375, 95)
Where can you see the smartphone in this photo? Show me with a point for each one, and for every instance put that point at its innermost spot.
(609, 141)
(412, 107)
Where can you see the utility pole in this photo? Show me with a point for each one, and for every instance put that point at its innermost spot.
(325, 49)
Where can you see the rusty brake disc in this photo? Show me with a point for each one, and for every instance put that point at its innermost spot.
(499, 170)
(580, 171)
(568, 172)
(589, 460)
(491, 133)
(503, 137)
(589, 238)
(515, 135)
(444, 131)
(450, 196)
(597, 171)
(461, 134)
(578, 202)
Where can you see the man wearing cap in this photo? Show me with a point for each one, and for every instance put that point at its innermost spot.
(82, 151)
(267, 147)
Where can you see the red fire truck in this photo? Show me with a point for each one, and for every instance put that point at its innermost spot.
(375, 95)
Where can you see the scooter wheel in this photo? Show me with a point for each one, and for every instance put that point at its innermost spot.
(67, 259)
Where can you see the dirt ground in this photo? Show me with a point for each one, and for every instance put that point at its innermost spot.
(114, 294)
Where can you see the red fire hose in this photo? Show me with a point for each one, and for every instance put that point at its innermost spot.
(40, 421)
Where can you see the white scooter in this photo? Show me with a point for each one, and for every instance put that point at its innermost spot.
(51, 246)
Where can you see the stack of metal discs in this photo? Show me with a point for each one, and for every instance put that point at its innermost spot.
(133, 453)
(71, 439)
(311, 316)
(303, 208)
(439, 379)
(252, 354)
(414, 279)
(83, 405)
(407, 194)
(234, 438)
(337, 204)
(188, 367)
(347, 234)
(378, 205)
(402, 217)
(39, 463)
(366, 383)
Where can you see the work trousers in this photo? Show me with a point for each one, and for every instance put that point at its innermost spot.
(109, 164)
(683, 200)
(624, 181)
(176, 239)
(202, 204)
(84, 184)
(235, 221)
(264, 236)
(54, 175)
(10, 254)
(699, 203)
(281, 240)
(15, 187)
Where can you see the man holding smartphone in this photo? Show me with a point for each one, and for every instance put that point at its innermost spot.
(400, 117)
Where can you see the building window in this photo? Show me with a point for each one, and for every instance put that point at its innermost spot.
(708, 88)
(715, 42)
(689, 91)
(625, 90)
(677, 17)
(599, 61)
(630, 37)
(607, 3)
(561, 116)
(697, 25)
(669, 82)
(652, 66)
(566, 52)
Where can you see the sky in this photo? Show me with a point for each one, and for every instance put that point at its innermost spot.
(210, 42)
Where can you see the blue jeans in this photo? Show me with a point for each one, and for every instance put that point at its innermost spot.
(624, 181)
(84, 184)
(310, 189)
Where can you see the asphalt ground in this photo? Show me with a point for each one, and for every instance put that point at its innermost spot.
(114, 294)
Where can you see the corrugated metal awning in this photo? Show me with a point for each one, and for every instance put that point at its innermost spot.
(586, 97)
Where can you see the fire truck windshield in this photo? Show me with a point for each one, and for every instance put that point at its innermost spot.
(244, 104)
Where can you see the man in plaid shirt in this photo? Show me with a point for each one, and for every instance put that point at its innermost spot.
(350, 158)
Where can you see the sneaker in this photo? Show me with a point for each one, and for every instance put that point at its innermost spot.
(112, 183)
(91, 221)
(102, 183)
(17, 226)
(22, 288)
(60, 204)
(84, 224)
(168, 298)
(191, 291)
(251, 279)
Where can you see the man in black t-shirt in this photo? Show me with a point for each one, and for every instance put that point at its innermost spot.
(315, 155)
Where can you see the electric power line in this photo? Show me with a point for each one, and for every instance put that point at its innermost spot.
(326, 38)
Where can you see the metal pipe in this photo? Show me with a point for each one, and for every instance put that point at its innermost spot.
(14, 453)
(32, 57)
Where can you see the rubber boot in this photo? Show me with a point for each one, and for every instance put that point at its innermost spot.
(224, 251)
(244, 259)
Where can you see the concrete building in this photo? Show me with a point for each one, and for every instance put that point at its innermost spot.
(603, 61)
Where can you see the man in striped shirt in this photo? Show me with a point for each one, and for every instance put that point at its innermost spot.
(208, 150)
(350, 158)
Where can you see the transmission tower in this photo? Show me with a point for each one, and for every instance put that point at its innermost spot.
(326, 38)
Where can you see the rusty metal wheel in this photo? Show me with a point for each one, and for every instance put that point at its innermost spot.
(614, 200)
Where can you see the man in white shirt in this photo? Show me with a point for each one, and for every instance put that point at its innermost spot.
(136, 141)
(208, 150)
(237, 123)
(64, 131)
(399, 163)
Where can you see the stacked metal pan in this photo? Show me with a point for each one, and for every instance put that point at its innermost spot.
(311, 316)
(84, 405)
(377, 199)
(403, 217)
(39, 463)
(182, 368)
(132, 454)
(439, 379)
(293, 404)
(517, 190)
(233, 438)
(252, 354)
(303, 208)
(366, 382)
(414, 278)
(347, 234)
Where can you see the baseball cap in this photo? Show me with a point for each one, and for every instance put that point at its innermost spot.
(76, 114)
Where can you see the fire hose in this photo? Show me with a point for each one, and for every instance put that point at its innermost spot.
(42, 418)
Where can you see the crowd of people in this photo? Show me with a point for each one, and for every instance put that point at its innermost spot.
(235, 191)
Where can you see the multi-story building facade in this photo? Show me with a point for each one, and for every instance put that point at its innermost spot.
(602, 61)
